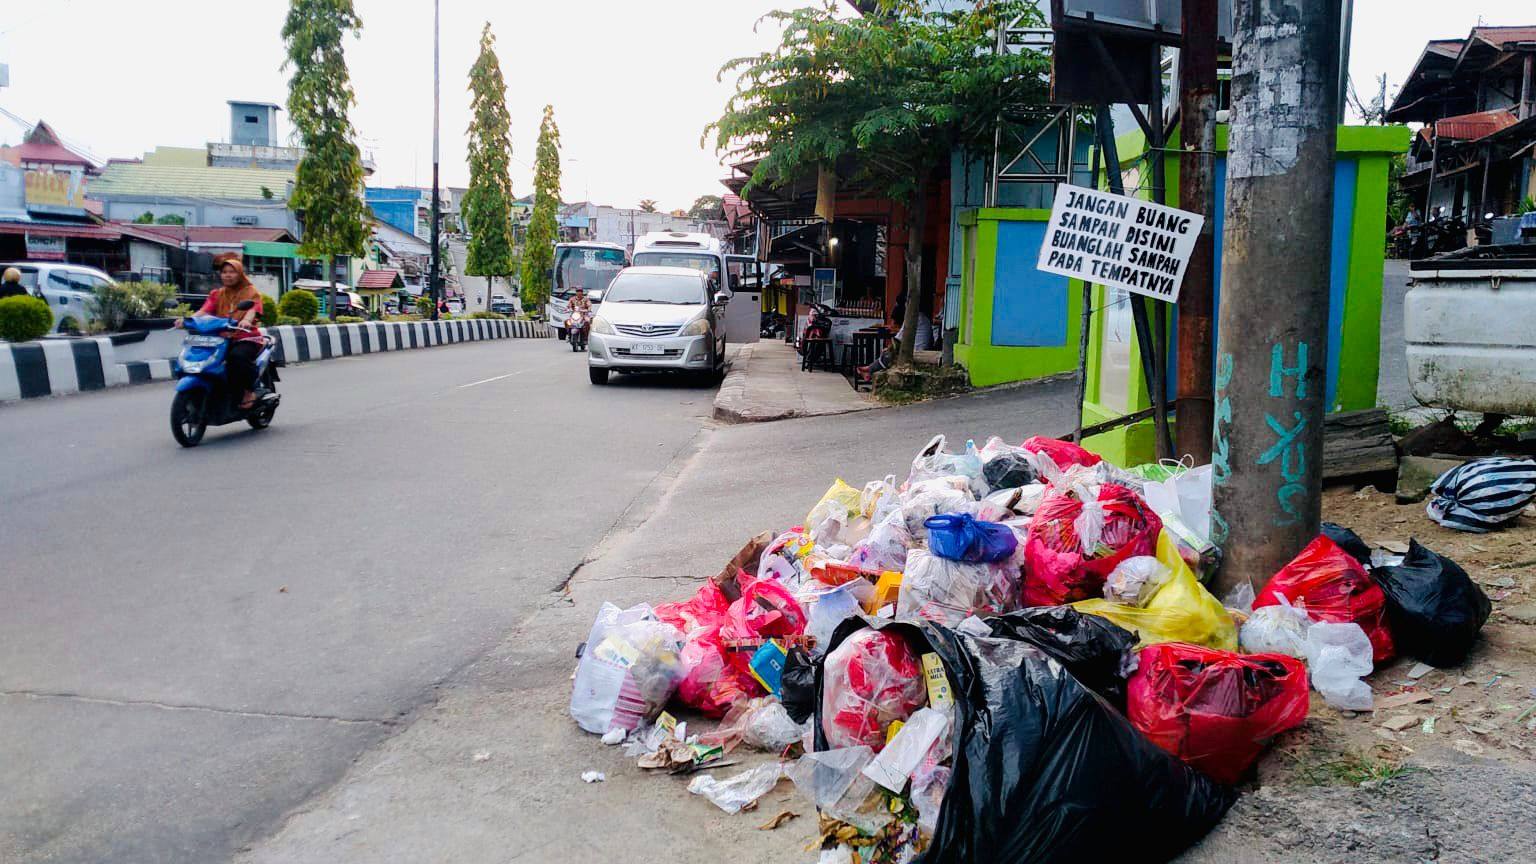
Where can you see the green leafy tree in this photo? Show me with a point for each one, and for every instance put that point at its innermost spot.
(145, 218)
(895, 93)
(328, 185)
(707, 207)
(171, 219)
(299, 304)
(539, 254)
(648, 205)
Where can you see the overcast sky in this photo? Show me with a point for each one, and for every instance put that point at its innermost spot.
(633, 83)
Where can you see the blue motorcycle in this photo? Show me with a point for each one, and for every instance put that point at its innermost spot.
(204, 396)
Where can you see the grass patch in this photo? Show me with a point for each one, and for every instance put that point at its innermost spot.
(1349, 769)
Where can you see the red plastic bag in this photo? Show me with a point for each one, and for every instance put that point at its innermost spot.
(1063, 453)
(1333, 586)
(711, 682)
(1215, 710)
(705, 609)
(721, 638)
(1057, 567)
(869, 681)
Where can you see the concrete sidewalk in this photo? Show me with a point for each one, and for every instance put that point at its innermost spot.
(765, 383)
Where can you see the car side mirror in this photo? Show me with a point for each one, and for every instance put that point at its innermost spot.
(245, 305)
(722, 298)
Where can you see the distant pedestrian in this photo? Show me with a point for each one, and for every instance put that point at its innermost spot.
(10, 284)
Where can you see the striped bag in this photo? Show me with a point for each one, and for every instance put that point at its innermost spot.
(1482, 495)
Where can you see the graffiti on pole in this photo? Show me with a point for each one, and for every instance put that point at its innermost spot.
(1221, 449)
(1290, 446)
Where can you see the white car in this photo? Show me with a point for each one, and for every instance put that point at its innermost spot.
(68, 288)
(658, 319)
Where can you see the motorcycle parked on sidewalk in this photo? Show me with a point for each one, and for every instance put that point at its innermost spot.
(578, 326)
(204, 395)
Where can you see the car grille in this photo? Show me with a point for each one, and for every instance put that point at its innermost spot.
(648, 331)
(670, 352)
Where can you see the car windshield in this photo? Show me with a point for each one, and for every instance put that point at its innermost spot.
(709, 265)
(588, 268)
(656, 288)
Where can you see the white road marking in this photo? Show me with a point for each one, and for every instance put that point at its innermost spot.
(489, 380)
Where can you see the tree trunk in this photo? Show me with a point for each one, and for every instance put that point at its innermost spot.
(916, 211)
(330, 277)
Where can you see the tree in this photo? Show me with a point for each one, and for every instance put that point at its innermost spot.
(647, 205)
(171, 219)
(895, 93)
(707, 207)
(487, 203)
(328, 185)
(539, 255)
(145, 218)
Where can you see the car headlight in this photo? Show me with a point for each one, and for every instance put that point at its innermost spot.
(696, 327)
(601, 325)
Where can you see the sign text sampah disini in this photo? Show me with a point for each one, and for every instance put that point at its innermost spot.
(1118, 241)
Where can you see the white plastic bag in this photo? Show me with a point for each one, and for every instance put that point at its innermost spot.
(930, 499)
(1186, 495)
(902, 754)
(879, 498)
(825, 609)
(1135, 580)
(886, 546)
(945, 591)
(629, 669)
(1339, 656)
(934, 461)
(736, 792)
(1279, 629)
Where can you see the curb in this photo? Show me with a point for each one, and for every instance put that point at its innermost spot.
(731, 399)
(57, 367)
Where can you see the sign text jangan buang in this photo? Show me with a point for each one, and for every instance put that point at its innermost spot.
(1118, 241)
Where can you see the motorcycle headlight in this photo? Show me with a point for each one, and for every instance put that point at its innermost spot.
(601, 325)
(696, 327)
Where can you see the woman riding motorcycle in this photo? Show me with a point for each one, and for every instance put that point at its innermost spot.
(247, 344)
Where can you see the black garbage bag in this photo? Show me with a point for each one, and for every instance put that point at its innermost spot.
(1044, 769)
(1434, 607)
(1098, 652)
(1349, 541)
(1009, 470)
(797, 685)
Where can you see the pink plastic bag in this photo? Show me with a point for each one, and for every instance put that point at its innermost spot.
(721, 638)
(1068, 555)
(869, 681)
(1063, 453)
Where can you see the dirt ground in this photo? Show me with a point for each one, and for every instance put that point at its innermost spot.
(1458, 782)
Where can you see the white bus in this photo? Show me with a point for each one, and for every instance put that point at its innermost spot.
(704, 252)
(588, 265)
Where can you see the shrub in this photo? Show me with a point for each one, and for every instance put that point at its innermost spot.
(115, 302)
(322, 320)
(24, 318)
(286, 321)
(424, 306)
(489, 316)
(69, 325)
(269, 311)
(299, 304)
(349, 319)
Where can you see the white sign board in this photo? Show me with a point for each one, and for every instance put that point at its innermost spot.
(1119, 241)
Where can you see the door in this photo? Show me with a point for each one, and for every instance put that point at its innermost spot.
(744, 314)
(69, 294)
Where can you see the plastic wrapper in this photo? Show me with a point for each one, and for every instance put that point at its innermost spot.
(869, 681)
(734, 793)
(911, 744)
(1332, 586)
(929, 782)
(1278, 629)
(1182, 610)
(1044, 770)
(938, 589)
(1073, 546)
(825, 609)
(886, 546)
(1216, 710)
(761, 723)
(935, 461)
(838, 507)
(1062, 453)
(1482, 495)
(630, 667)
(1338, 657)
(1435, 609)
(1135, 580)
(962, 537)
(1095, 650)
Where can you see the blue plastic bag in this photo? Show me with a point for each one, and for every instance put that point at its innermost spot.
(961, 537)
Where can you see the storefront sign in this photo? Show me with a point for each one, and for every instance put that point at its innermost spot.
(1119, 241)
(55, 192)
(45, 248)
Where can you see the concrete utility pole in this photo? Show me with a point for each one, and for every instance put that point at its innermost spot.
(1272, 355)
(435, 287)
(1197, 194)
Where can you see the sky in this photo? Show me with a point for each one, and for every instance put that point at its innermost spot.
(633, 83)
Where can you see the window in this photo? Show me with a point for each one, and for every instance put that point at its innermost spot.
(656, 288)
(251, 118)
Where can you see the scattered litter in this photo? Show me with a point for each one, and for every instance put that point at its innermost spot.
(1419, 670)
(1400, 722)
(593, 776)
(1396, 547)
(778, 821)
(740, 792)
(1400, 700)
(1428, 727)
(482, 756)
(614, 736)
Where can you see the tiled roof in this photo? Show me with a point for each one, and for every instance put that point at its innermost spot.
(1500, 36)
(379, 278)
(134, 179)
(1474, 127)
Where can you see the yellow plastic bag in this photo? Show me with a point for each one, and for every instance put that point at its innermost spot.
(1181, 610)
(841, 504)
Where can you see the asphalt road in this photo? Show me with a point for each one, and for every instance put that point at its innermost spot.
(194, 642)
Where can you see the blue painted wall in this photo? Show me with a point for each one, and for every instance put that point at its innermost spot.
(1029, 308)
(396, 207)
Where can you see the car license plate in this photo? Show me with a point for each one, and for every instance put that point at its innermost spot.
(645, 348)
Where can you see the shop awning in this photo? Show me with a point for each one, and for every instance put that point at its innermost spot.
(270, 249)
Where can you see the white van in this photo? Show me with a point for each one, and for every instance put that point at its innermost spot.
(68, 288)
(703, 252)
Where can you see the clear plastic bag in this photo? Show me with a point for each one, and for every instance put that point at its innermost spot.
(934, 461)
(825, 609)
(1280, 629)
(1339, 656)
(838, 507)
(630, 667)
(886, 546)
(734, 793)
(871, 680)
(894, 765)
(1135, 580)
(932, 497)
(835, 783)
(938, 589)
(879, 498)
(929, 783)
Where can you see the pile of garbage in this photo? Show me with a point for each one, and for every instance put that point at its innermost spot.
(1009, 655)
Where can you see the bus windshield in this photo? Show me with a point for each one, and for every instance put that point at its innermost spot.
(586, 268)
(707, 264)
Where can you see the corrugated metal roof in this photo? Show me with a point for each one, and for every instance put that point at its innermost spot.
(232, 235)
(1500, 36)
(1474, 127)
(128, 179)
(379, 278)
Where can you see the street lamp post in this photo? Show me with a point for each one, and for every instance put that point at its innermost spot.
(435, 287)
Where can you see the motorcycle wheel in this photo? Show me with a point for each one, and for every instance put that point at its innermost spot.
(187, 421)
(262, 417)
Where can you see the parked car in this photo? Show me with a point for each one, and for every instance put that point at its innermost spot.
(658, 319)
(68, 288)
(501, 304)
